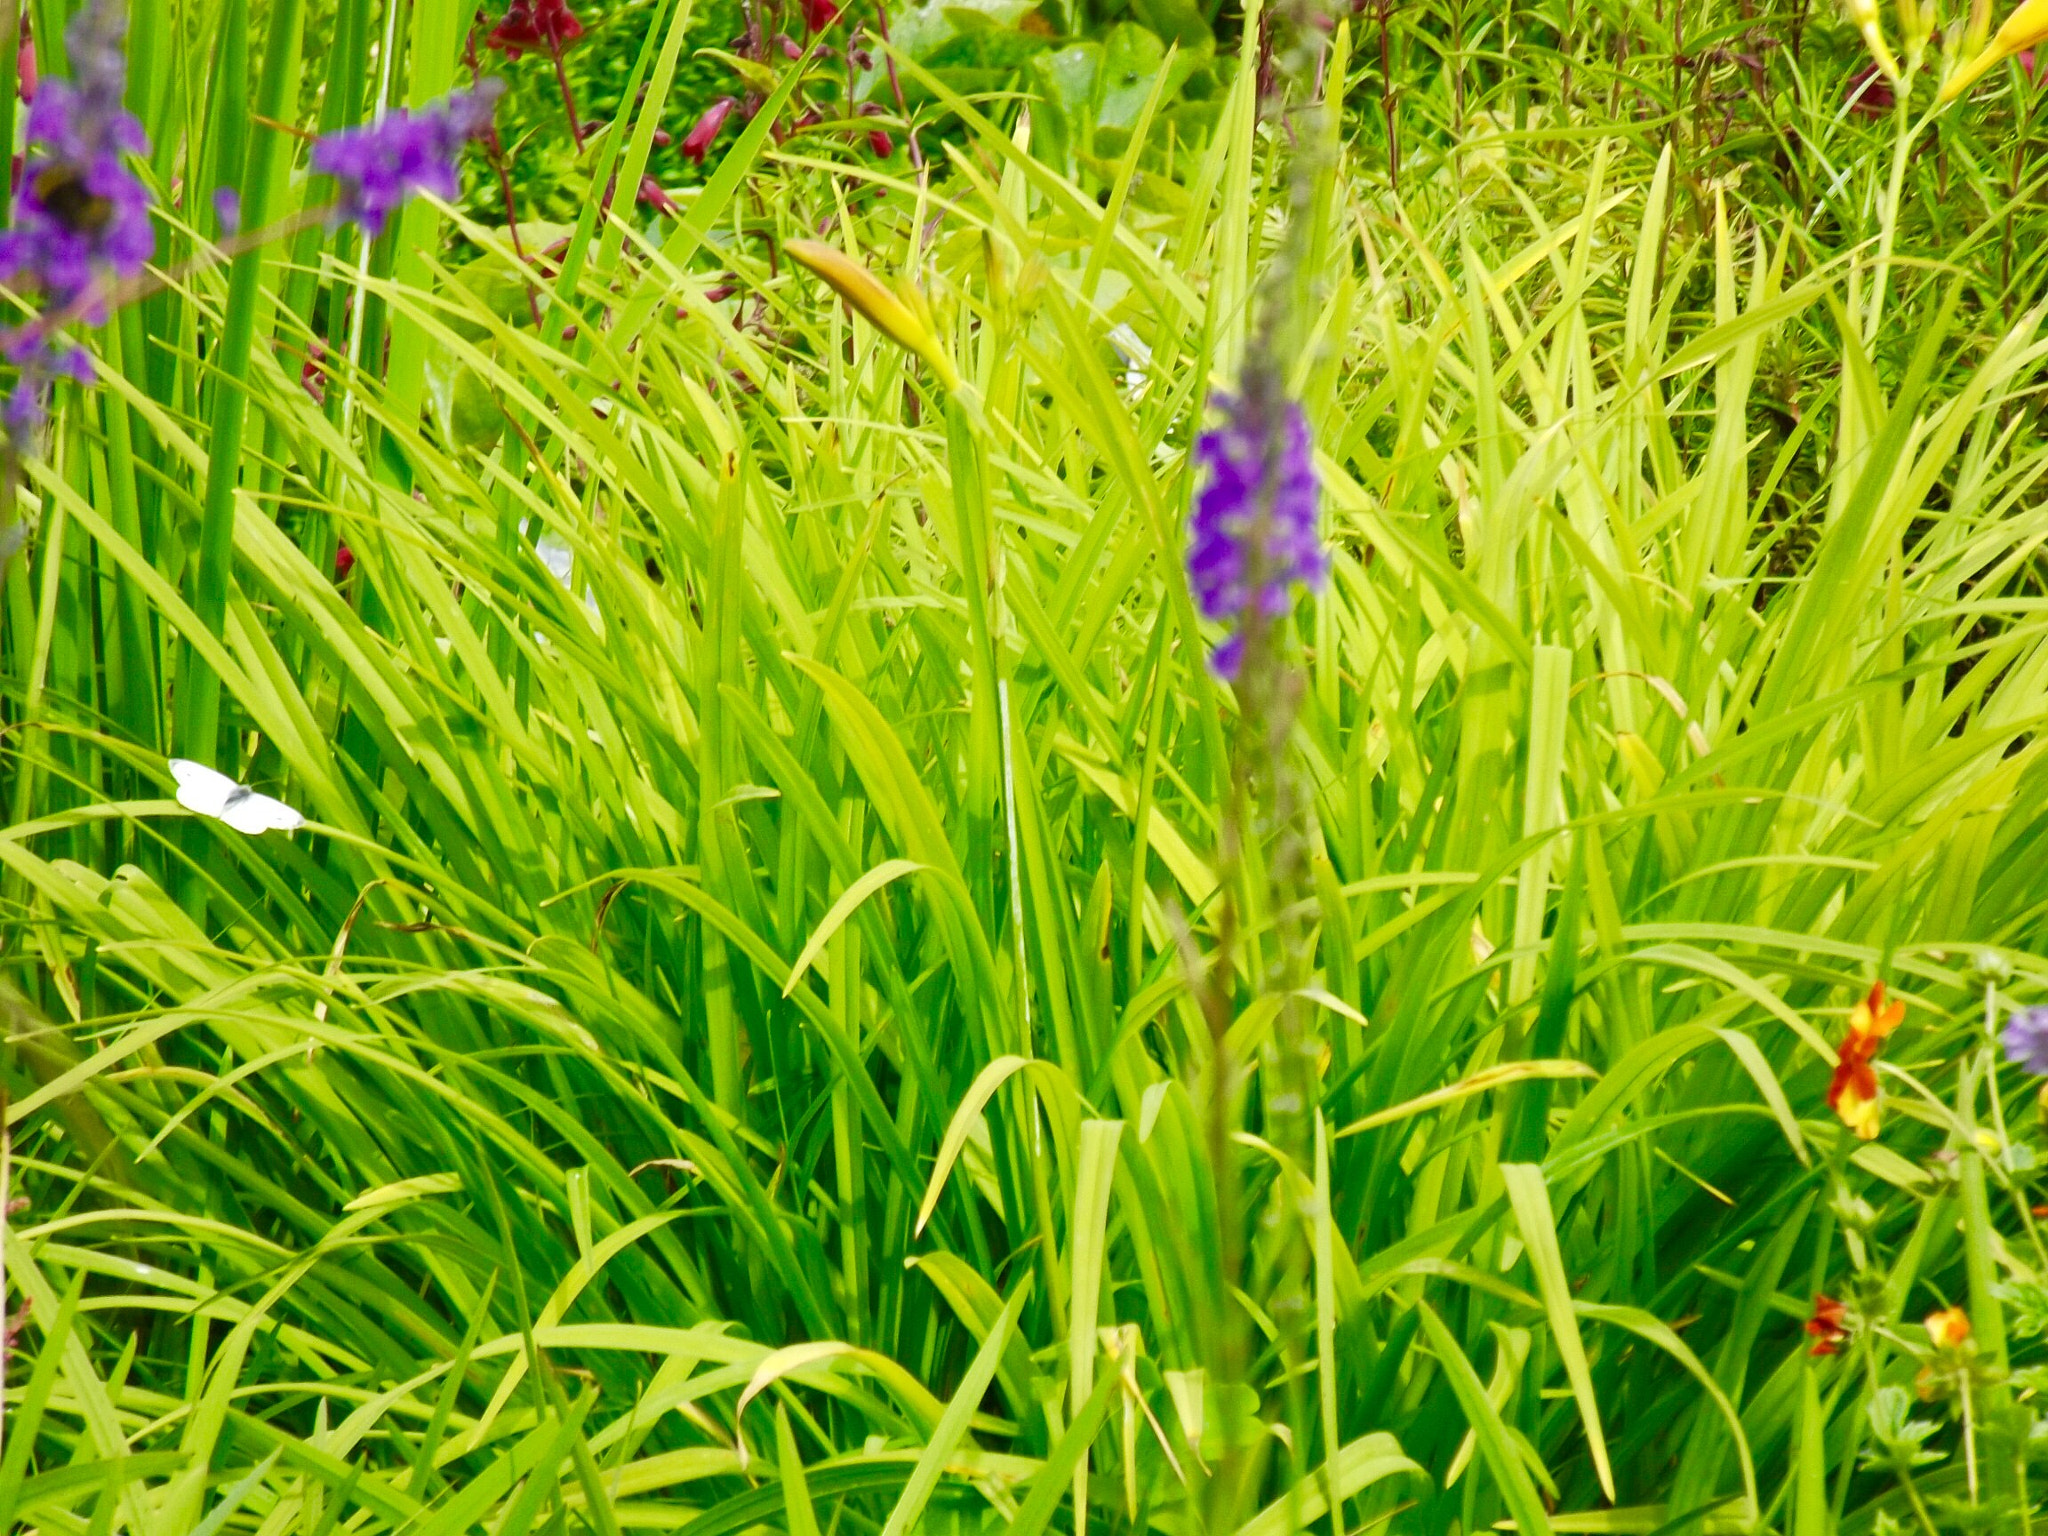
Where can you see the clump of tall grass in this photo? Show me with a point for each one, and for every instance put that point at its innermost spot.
(735, 1042)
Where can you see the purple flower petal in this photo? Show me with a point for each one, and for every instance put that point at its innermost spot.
(39, 359)
(2026, 1040)
(82, 215)
(1252, 535)
(378, 166)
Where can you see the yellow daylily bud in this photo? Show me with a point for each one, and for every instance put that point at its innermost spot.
(1978, 27)
(2022, 30)
(1864, 14)
(1916, 24)
(887, 311)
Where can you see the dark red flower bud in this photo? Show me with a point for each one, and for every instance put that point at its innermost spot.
(313, 377)
(25, 69)
(344, 562)
(820, 14)
(531, 24)
(1869, 93)
(881, 144)
(653, 196)
(697, 142)
(791, 48)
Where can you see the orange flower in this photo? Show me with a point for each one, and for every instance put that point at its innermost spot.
(1949, 1328)
(1852, 1092)
(1827, 1325)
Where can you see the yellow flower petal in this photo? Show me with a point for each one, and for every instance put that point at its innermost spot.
(874, 301)
(2023, 28)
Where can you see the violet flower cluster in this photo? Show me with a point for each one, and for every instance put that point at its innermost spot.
(39, 360)
(1253, 537)
(2026, 1040)
(379, 165)
(82, 223)
(83, 214)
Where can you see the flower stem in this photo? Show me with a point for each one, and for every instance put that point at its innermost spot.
(568, 95)
(198, 686)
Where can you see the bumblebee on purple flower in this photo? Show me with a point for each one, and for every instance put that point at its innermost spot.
(83, 220)
(82, 224)
(82, 227)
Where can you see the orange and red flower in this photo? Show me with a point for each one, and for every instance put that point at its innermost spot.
(1852, 1092)
(1949, 1328)
(1828, 1325)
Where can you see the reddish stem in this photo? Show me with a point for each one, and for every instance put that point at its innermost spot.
(895, 85)
(568, 95)
(496, 150)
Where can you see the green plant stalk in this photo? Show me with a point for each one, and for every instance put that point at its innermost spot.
(340, 107)
(1888, 223)
(133, 681)
(50, 17)
(1987, 1315)
(973, 526)
(10, 88)
(38, 623)
(436, 48)
(198, 687)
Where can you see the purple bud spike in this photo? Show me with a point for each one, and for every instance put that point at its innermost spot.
(383, 163)
(1253, 532)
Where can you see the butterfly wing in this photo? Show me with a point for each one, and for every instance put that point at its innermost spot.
(253, 814)
(200, 789)
(213, 794)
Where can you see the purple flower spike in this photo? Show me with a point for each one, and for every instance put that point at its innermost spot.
(383, 163)
(2026, 1040)
(39, 359)
(1253, 533)
(83, 214)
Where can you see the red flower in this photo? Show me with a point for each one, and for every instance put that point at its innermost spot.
(313, 374)
(1869, 93)
(25, 77)
(344, 562)
(819, 14)
(1827, 1325)
(533, 24)
(1852, 1092)
(697, 142)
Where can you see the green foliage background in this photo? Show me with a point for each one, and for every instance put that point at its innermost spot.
(722, 1055)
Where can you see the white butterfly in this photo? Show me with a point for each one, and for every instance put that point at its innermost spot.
(215, 794)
